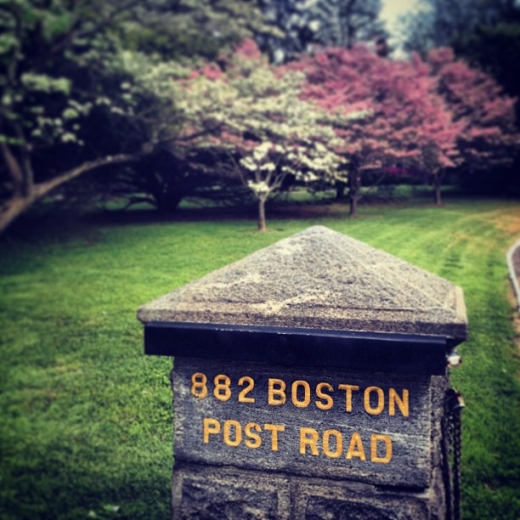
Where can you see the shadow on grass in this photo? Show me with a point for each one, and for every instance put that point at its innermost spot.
(51, 489)
(48, 223)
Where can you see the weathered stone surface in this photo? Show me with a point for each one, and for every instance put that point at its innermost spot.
(317, 500)
(324, 280)
(211, 493)
(380, 441)
(226, 493)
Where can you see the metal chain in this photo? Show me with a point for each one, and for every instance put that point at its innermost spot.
(454, 405)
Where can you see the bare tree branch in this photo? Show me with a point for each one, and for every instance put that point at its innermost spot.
(19, 202)
(14, 168)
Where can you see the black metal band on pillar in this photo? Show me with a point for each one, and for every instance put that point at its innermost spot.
(405, 353)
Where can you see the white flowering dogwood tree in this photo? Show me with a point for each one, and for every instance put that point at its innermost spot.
(87, 84)
(72, 99)
(266, 166)
(263, 131)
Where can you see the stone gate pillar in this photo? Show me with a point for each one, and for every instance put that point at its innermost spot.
(310, 381)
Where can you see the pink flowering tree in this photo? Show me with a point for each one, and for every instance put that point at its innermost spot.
(485, 116)
(406, 122)
(263, 130)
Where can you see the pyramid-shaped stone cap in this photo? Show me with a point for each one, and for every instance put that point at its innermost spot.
(319, 279)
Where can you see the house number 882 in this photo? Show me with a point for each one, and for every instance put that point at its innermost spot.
(221, 387)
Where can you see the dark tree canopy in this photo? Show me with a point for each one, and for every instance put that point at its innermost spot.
(495, 49)
(442, 23)
(326, 23)
(485, 34)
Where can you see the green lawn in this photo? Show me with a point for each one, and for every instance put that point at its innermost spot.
(85, 417)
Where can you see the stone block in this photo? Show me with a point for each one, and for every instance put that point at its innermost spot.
(310, 382)
(213, 493)
(317, 422)
(319, 279)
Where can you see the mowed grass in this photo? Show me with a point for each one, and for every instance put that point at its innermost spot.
(86, 418)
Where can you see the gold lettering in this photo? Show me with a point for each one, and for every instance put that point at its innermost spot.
(308, 437)
(222, 392)
(373, 449)
(355, 448)
(274, 429)
(327, 405)
(306, 394)
(326, 443)
(276, 392)
(348, 395)
(198, 385)
(402, 402)
(380, 400)
(227, 433)
(254, 440)
(246, 380)
(211, 427)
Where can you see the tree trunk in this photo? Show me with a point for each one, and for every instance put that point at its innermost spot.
(353, 206)
(437, 189)
(354, 188)
(261, 215)
(167, 203)
(340, 190)
(13, 209)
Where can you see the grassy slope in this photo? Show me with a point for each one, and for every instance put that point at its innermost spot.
(85, 426)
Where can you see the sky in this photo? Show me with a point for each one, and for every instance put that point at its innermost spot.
(392, 9)
(390, 12)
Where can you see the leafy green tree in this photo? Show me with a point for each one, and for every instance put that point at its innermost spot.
(167, 177)
(88, 84)
(201, 28)
(71, 99)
